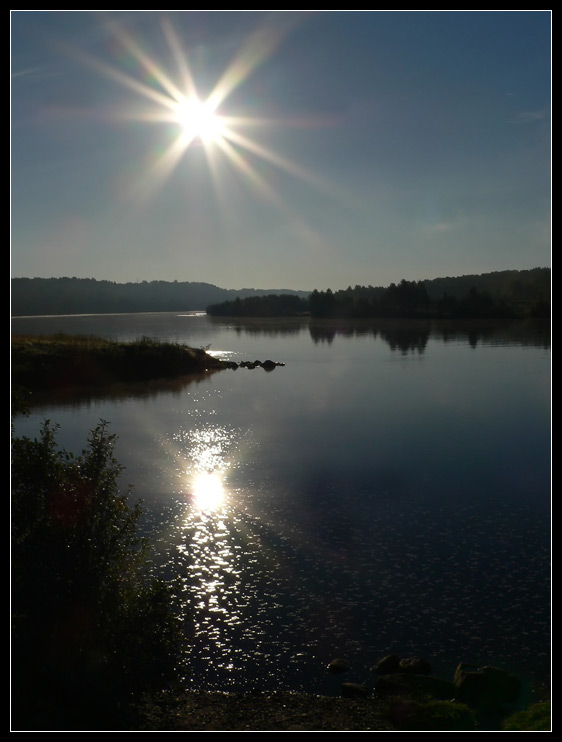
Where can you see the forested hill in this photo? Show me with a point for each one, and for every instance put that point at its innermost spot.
(36, 296)
(526, 284)
(500, 293)
(507, 294)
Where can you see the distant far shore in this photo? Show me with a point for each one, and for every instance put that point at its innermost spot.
(499, 293)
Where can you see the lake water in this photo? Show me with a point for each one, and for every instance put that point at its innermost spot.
(388, 490)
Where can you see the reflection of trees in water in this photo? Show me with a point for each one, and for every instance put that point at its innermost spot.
(413, 335)
(322, 334)
(400, 334)
(407, 337)
(532, 332)
(325, 331)
(268, 331)
(269, 327)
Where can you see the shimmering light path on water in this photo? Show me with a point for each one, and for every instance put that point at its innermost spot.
(388, 490)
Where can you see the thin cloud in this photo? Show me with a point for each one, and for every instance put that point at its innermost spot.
(526, 117)
(442, 226)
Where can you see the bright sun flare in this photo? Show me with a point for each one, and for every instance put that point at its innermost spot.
(174, 99)
(198, 119)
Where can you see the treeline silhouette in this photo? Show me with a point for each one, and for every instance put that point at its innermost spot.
(40, 296)
(503, 294)
(498, 294)
(271, 305)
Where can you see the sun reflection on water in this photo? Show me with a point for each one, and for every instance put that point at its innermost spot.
(209, 547)
(205, 455)
(208, 491)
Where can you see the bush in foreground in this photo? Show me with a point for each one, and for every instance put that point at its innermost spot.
(91, 630)
(537, 718)
(432, 715)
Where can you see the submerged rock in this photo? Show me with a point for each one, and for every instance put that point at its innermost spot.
(485, 688)
(416, 665)
(338, 666)
(388, 664)
(393, 664)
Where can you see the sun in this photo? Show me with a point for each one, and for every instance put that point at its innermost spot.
(198, 120)
(170, 97)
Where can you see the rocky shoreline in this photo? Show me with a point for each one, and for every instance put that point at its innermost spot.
(404, 696)
(267, 365)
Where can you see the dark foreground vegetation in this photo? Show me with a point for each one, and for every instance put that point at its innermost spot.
(91, 631)
(65, 361)
(505, 295)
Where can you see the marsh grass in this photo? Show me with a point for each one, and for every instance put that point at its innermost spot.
(64, 361)
(537, 718)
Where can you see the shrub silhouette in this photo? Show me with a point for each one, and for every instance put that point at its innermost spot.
(91, 630)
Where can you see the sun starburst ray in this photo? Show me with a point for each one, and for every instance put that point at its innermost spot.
(175, 102)
(270, 156)
(244, 167)
(260, 46)
(180, 58)
(159, 171)
(145, 60)
(128, 81)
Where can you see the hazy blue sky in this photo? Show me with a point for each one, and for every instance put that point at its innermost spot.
(355, 147)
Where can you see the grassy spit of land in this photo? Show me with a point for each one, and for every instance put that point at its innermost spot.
(43, 363)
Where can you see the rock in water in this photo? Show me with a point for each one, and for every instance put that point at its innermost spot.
(417, 665)
(388, 664)
(338, 666)
(485, 688)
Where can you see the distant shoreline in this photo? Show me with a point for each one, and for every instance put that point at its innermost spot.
(516, 290)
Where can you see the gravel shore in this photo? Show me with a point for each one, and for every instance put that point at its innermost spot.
(268, 712)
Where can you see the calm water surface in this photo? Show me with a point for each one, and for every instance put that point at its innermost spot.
(387, 490)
